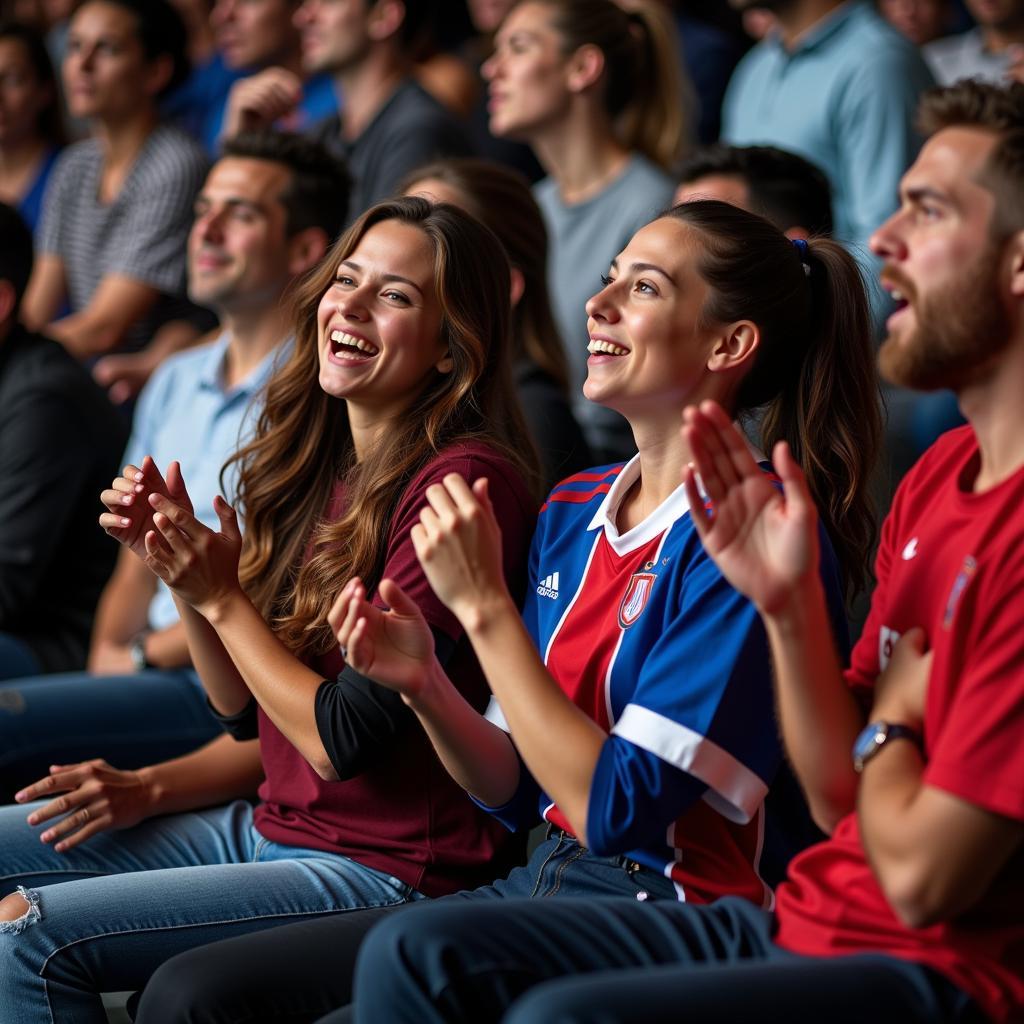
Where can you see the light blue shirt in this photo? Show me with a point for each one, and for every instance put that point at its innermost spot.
(845, 98)
(185, 413)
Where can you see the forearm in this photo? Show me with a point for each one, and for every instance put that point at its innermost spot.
(818, 714)
(476, 753)
(222, 770)
(220, 677)
(283, 686)
(168, 648)
(124, 603)
(84, 336)
(557, 741)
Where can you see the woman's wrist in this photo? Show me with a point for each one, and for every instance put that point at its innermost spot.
(486, 613)
(218, 610)
(429, 695)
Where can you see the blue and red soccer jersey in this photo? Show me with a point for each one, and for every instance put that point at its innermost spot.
(644, 634)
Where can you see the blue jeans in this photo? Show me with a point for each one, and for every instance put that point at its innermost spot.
(17, 658)
(300, 971)
(74, 716)
(616, 961)
(103, 916)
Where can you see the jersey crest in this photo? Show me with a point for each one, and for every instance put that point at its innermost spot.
(638, 590)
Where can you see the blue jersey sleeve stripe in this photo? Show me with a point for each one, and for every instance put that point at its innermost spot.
(739, 791)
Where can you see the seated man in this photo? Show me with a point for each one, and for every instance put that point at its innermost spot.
(913, 910)
(61, 441)
(780, 186)
(389, 124)
(265, 215)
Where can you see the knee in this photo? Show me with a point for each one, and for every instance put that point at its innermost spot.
(18, 910)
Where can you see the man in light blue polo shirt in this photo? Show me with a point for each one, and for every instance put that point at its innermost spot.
(837, 85)
(265, 215)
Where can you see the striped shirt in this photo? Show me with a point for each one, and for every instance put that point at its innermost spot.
(141, 234)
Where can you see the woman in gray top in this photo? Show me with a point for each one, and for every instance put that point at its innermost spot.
(597, 92)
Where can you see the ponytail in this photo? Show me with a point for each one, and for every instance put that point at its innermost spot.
(829, 411)
(813, 380)
(643, 78)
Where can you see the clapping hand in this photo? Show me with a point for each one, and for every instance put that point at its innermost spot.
(458, 544)
(393, 647)
(129, 515)
(765, 542)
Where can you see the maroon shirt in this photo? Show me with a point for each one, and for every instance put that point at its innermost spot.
(405, 815)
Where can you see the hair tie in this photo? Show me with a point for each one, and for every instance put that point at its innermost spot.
(803, 251)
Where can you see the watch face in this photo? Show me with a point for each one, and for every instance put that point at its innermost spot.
(870, 739)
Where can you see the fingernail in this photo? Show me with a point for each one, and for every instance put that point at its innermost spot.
(126, 500)
(139, 488)
(61, 847)
(20, 795)
(46, 837)
(126, 522)
(33, 818)
(138, 478)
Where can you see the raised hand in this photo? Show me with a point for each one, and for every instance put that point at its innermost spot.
(458, 544)
(199, 565)
(129, 516)
(94, 797)
(394, 647)
(765, 543)
(259, 100)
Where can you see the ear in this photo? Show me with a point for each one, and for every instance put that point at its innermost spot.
(734, 347)
(1016, 260)
(518, 286)
(8, 301)
(305, 249)
(796, 231)
(586, 66)
(445, 364)
(158, 74)
(386, 17)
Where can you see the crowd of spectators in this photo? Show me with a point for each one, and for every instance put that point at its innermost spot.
(240, 242)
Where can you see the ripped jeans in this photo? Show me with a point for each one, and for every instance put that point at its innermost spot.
(103, 916)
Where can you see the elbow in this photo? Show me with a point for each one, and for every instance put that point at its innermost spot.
(828, 809)
(917, 895)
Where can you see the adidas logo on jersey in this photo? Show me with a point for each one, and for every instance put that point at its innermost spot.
(548, 587)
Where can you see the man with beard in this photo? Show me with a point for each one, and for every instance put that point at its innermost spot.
(839, 86)
(912, 912)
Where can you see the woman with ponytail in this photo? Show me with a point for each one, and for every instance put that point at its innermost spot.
(632, 706)
(597, 92)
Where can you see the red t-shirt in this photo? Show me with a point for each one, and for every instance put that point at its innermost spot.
(405, 815)
(952, 562)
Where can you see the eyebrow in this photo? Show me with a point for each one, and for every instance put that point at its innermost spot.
(919, 192)
(384, 277)
(234, 203)
(642, 267)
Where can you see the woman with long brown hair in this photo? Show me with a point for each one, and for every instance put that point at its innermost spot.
(399, 375)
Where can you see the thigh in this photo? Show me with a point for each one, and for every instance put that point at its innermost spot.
(798, 990)
(109, 933)
(17, 658)
(215, 835)
(293, 972)
(129, 720)
(469, 961)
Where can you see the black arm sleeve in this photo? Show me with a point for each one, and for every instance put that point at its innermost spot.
(243, 725)
(359, 719)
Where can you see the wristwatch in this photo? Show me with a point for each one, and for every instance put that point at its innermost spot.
(875, 735)
(137, 651)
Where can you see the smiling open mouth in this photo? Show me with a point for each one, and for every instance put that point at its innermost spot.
(345, 344)
(606, 348)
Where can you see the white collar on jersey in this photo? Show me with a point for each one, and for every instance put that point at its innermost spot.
(673, 508)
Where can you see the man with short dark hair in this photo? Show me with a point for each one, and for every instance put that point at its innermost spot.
(265, 215)
(389, 124)
(60, 440)
(912, 912)
(780, 186)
